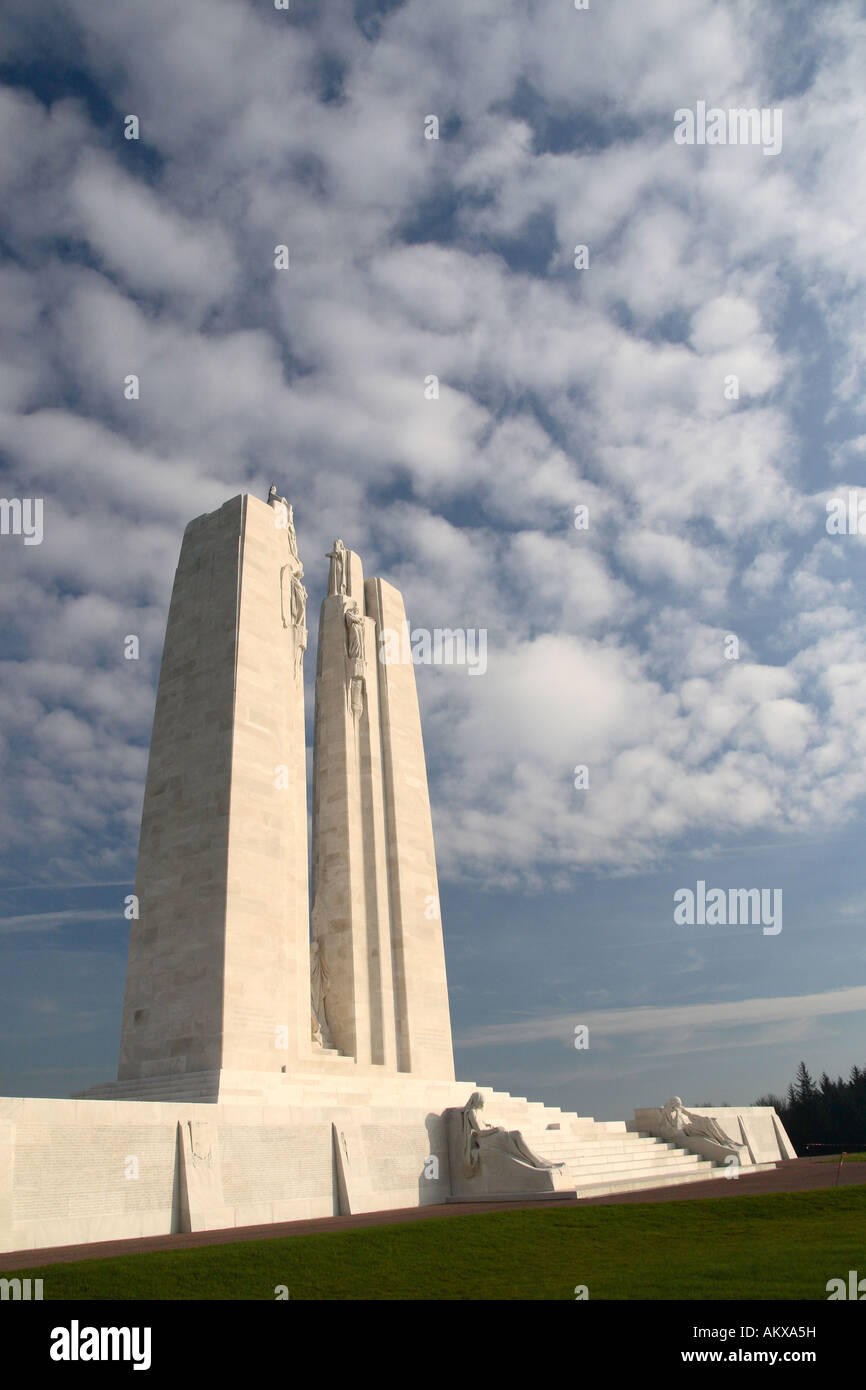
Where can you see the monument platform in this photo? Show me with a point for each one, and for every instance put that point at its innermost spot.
(81, 1170)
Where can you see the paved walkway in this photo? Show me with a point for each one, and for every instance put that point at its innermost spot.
(797, 1175)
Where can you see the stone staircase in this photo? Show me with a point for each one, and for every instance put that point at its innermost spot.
(197, 1086)
(601, 1156)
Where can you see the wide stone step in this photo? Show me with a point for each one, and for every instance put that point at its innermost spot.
(602, 1188)
(602, 1140)
(591, 1153)
(595, 1155)
(621, 1160)
(638, 1169)
(598, 1148)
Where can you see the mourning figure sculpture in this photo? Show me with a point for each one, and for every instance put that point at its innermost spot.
(480, 1139)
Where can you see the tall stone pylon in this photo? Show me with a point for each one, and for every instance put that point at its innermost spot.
(219, 967)
(377, 930)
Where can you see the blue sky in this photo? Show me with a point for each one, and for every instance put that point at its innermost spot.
(559, 387)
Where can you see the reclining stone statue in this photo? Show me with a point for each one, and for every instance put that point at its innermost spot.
(699, 1133)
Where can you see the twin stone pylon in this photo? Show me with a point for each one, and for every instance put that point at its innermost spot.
(375, 917)
(223, 978)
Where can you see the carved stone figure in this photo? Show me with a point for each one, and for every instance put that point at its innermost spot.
(200, 1142)
(337, 575)
(321, 1033)
(354, 633)
(285, 521)
(298, 600)
(300, 648)
(293, 601)
(290, 532)
(700, 1134)
(676, 1117)
(480, 1138)
(280, 506)
(286, 595)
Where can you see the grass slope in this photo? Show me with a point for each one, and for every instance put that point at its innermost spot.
(771, 1247)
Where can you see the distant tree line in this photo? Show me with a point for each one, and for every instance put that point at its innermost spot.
(829, 1114)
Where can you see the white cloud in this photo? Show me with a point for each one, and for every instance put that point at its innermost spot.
(153, 248)
(738, 1013)
(558, 387)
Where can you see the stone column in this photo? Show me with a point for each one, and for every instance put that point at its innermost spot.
(375, 891)
(218, 973)
(423, 1019)
(350, 881)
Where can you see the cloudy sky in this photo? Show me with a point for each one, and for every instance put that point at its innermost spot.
(698, 386)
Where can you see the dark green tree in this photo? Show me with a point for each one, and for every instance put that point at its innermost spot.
(831, 1114)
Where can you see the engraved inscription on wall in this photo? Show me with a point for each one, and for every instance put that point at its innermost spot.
(77, 1170)
(273, 1164)
(395, 1155)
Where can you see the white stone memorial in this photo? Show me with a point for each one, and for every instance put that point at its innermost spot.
(286, 1049)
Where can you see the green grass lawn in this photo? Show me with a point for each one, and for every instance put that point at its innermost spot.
(778, 1247)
